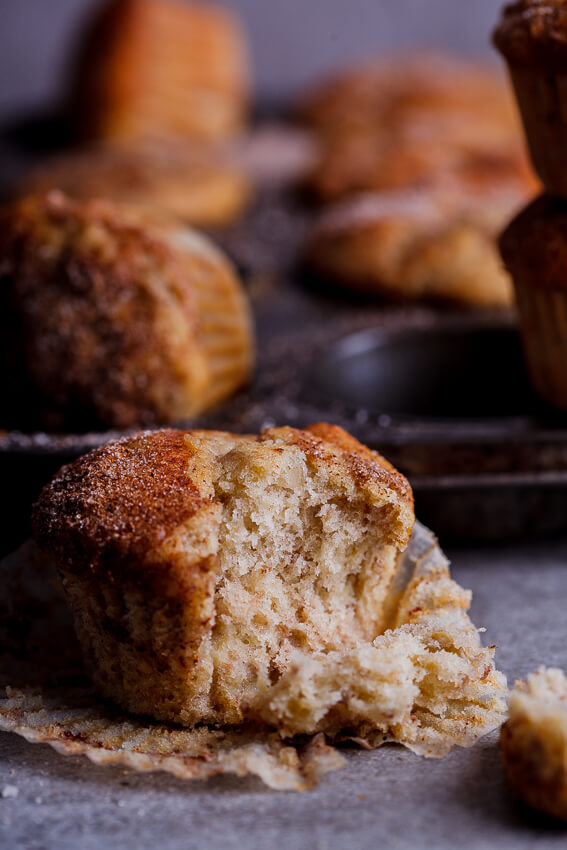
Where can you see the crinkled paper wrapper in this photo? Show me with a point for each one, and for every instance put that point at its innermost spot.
(46, 697)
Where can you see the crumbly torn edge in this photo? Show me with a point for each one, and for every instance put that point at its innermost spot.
(76, 722)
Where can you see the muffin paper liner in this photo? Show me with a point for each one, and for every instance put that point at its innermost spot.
(225, 332)
(46, 697)
(542, 98)
(544, 337)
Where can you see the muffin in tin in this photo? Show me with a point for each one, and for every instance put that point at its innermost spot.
(435, 243)
(532, 36)
(413, 157)
(160, 68)
(385, 92)
(403, 122)
(113, 319)
(203, 189)
(534, 249)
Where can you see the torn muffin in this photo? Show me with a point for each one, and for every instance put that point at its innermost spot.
(217, 578)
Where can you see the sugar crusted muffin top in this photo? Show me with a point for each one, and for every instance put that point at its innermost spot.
(91, 284)
(127, 497)
(434, 243)
(534, 32)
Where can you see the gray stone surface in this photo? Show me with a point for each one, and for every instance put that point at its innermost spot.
(383, 799)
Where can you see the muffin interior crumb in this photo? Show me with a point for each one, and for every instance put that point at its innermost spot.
(302, 567)
(533, 741)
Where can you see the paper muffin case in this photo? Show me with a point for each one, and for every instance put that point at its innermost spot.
(542, 98)
(224, 332)
(226, 339)
(216, 198)
(543, 314)
(46, 697)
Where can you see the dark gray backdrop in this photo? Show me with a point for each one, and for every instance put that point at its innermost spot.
(293, 40)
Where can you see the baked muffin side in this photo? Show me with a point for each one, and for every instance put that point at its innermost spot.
(534, 249)
(532, 36)
(160, 69)
(125, 320)
(427, 244)
(226, 579)
(402, 122)
(202, 189)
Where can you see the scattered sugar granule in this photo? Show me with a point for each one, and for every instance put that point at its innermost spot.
(9, 791)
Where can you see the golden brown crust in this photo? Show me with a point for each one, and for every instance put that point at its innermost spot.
(333, 444)
(534, 32)
(412, 122)
(347, 443)
(127, 498)
(94, 285)
(363, 162)
(109, 521)
(534, 245)
(203, 190)
(423, 244)
(388, 90)
(152, 68)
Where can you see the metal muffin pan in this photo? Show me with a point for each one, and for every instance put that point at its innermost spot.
(448, 373)
(456, 412)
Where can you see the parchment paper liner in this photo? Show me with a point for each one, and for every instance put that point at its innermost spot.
(46, 697)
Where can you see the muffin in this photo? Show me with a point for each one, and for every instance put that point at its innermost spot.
(110, 319)
(534, 250)
(532, 36)
(424, 244)
(154, 68)
(413, 156)
(226, 579)
(385, 92)
(204, 190)
(533, 741)
(404, 122)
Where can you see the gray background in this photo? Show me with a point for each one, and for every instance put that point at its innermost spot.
(292, 40)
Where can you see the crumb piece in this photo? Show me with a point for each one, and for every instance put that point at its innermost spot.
(9, 791)
(533, 741)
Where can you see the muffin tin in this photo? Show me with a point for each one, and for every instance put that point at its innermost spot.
(443, 394)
